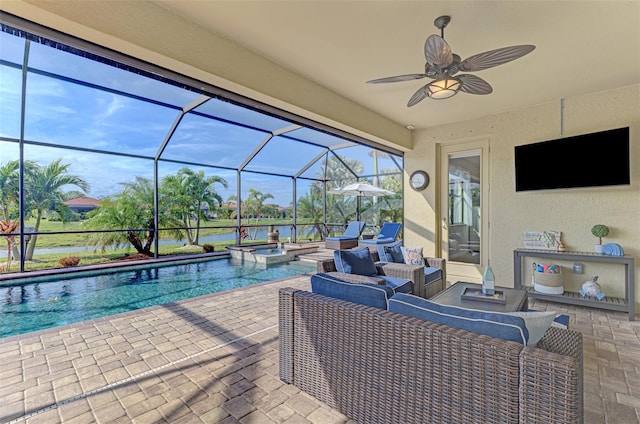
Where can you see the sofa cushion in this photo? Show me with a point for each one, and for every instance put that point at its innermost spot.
(367, 294)
(355, 261)
(412, 255)
(506, 326)
(391, 252)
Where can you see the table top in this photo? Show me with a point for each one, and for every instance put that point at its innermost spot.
(516, 299)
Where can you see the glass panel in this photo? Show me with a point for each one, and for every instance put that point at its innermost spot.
(231, 112)
(104, 174)
(283, 156)
(318, 137)
(12, 48)
(266, 198)
(389, 208)
(309, 209)
(73, 115)
(80, 68)
(315, 171)
(464, 208)
(10, 106)
(193, 198)
(211, 142)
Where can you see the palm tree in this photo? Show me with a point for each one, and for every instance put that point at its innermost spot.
(185, 196)
(253, 206)
(9, 187)
(131, 211)
(309, 209)
(43, 192)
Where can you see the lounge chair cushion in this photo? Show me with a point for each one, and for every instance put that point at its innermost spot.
(353, 231)
(523, 327)
(398, 285)
(355, 261)
(413, 255)
(367, 294)
(391, 252)
(432, 274)
(388, 234)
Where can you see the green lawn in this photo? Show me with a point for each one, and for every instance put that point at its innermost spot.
(90, 256)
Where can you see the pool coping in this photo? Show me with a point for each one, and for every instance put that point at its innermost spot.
(16, 278)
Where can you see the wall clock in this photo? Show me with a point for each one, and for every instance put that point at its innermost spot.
(419, 180)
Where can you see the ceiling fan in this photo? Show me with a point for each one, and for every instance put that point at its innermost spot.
(442, 66)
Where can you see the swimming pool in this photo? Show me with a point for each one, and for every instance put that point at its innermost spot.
(37, 305)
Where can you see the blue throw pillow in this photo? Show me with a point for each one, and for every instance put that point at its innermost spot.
(355, 261)
(391, 252)
(367, 294)
(499, 325)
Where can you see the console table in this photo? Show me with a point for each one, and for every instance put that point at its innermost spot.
(626, 304)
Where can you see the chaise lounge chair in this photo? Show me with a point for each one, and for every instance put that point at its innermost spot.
(388, 234)
(348, 239)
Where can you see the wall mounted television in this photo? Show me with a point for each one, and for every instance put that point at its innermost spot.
(587, 160)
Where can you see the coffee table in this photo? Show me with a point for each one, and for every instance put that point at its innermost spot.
(516, 299)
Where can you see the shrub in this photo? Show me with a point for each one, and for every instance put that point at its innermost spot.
(208, 248)
(69, 261)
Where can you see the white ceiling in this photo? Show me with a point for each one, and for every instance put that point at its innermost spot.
(581, 47)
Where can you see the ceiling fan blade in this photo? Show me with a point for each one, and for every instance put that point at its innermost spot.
(495, 57)
(437, 52)
(472, 84)
(397, 78)
(418, 96)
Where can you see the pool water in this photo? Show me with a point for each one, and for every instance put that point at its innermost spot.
(38, 305)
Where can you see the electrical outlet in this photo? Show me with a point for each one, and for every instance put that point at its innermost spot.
(577, 268)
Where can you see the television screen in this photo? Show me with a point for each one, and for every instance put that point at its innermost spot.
(588, 160)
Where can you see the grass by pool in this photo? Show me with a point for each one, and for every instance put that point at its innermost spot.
(37, 305)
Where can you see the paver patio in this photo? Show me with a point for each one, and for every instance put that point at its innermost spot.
(215, 359)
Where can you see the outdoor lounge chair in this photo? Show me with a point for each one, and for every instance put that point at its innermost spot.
(388, 234)
(348, 239)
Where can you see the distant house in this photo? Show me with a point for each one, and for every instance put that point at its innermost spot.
(82, 204)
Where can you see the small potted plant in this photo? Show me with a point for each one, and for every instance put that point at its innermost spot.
(599, 231)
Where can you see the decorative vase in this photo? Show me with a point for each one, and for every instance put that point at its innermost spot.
(598, 248)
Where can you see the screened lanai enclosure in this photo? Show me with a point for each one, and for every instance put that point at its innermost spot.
(103, 155)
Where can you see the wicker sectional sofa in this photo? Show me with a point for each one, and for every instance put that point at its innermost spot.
(377, 366)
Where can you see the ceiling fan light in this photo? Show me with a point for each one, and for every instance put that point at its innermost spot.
(443, 88)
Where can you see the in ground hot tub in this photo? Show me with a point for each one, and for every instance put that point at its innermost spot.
(267, 254)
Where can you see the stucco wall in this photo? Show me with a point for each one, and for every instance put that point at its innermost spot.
(571, 211)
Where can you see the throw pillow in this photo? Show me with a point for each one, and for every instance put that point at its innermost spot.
(413, 255)
(537, 324)
(391, 252)
(355, 261)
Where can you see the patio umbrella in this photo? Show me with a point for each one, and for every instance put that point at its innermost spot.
(361, 189)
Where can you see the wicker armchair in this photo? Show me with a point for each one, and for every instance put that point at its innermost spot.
(415, 273)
